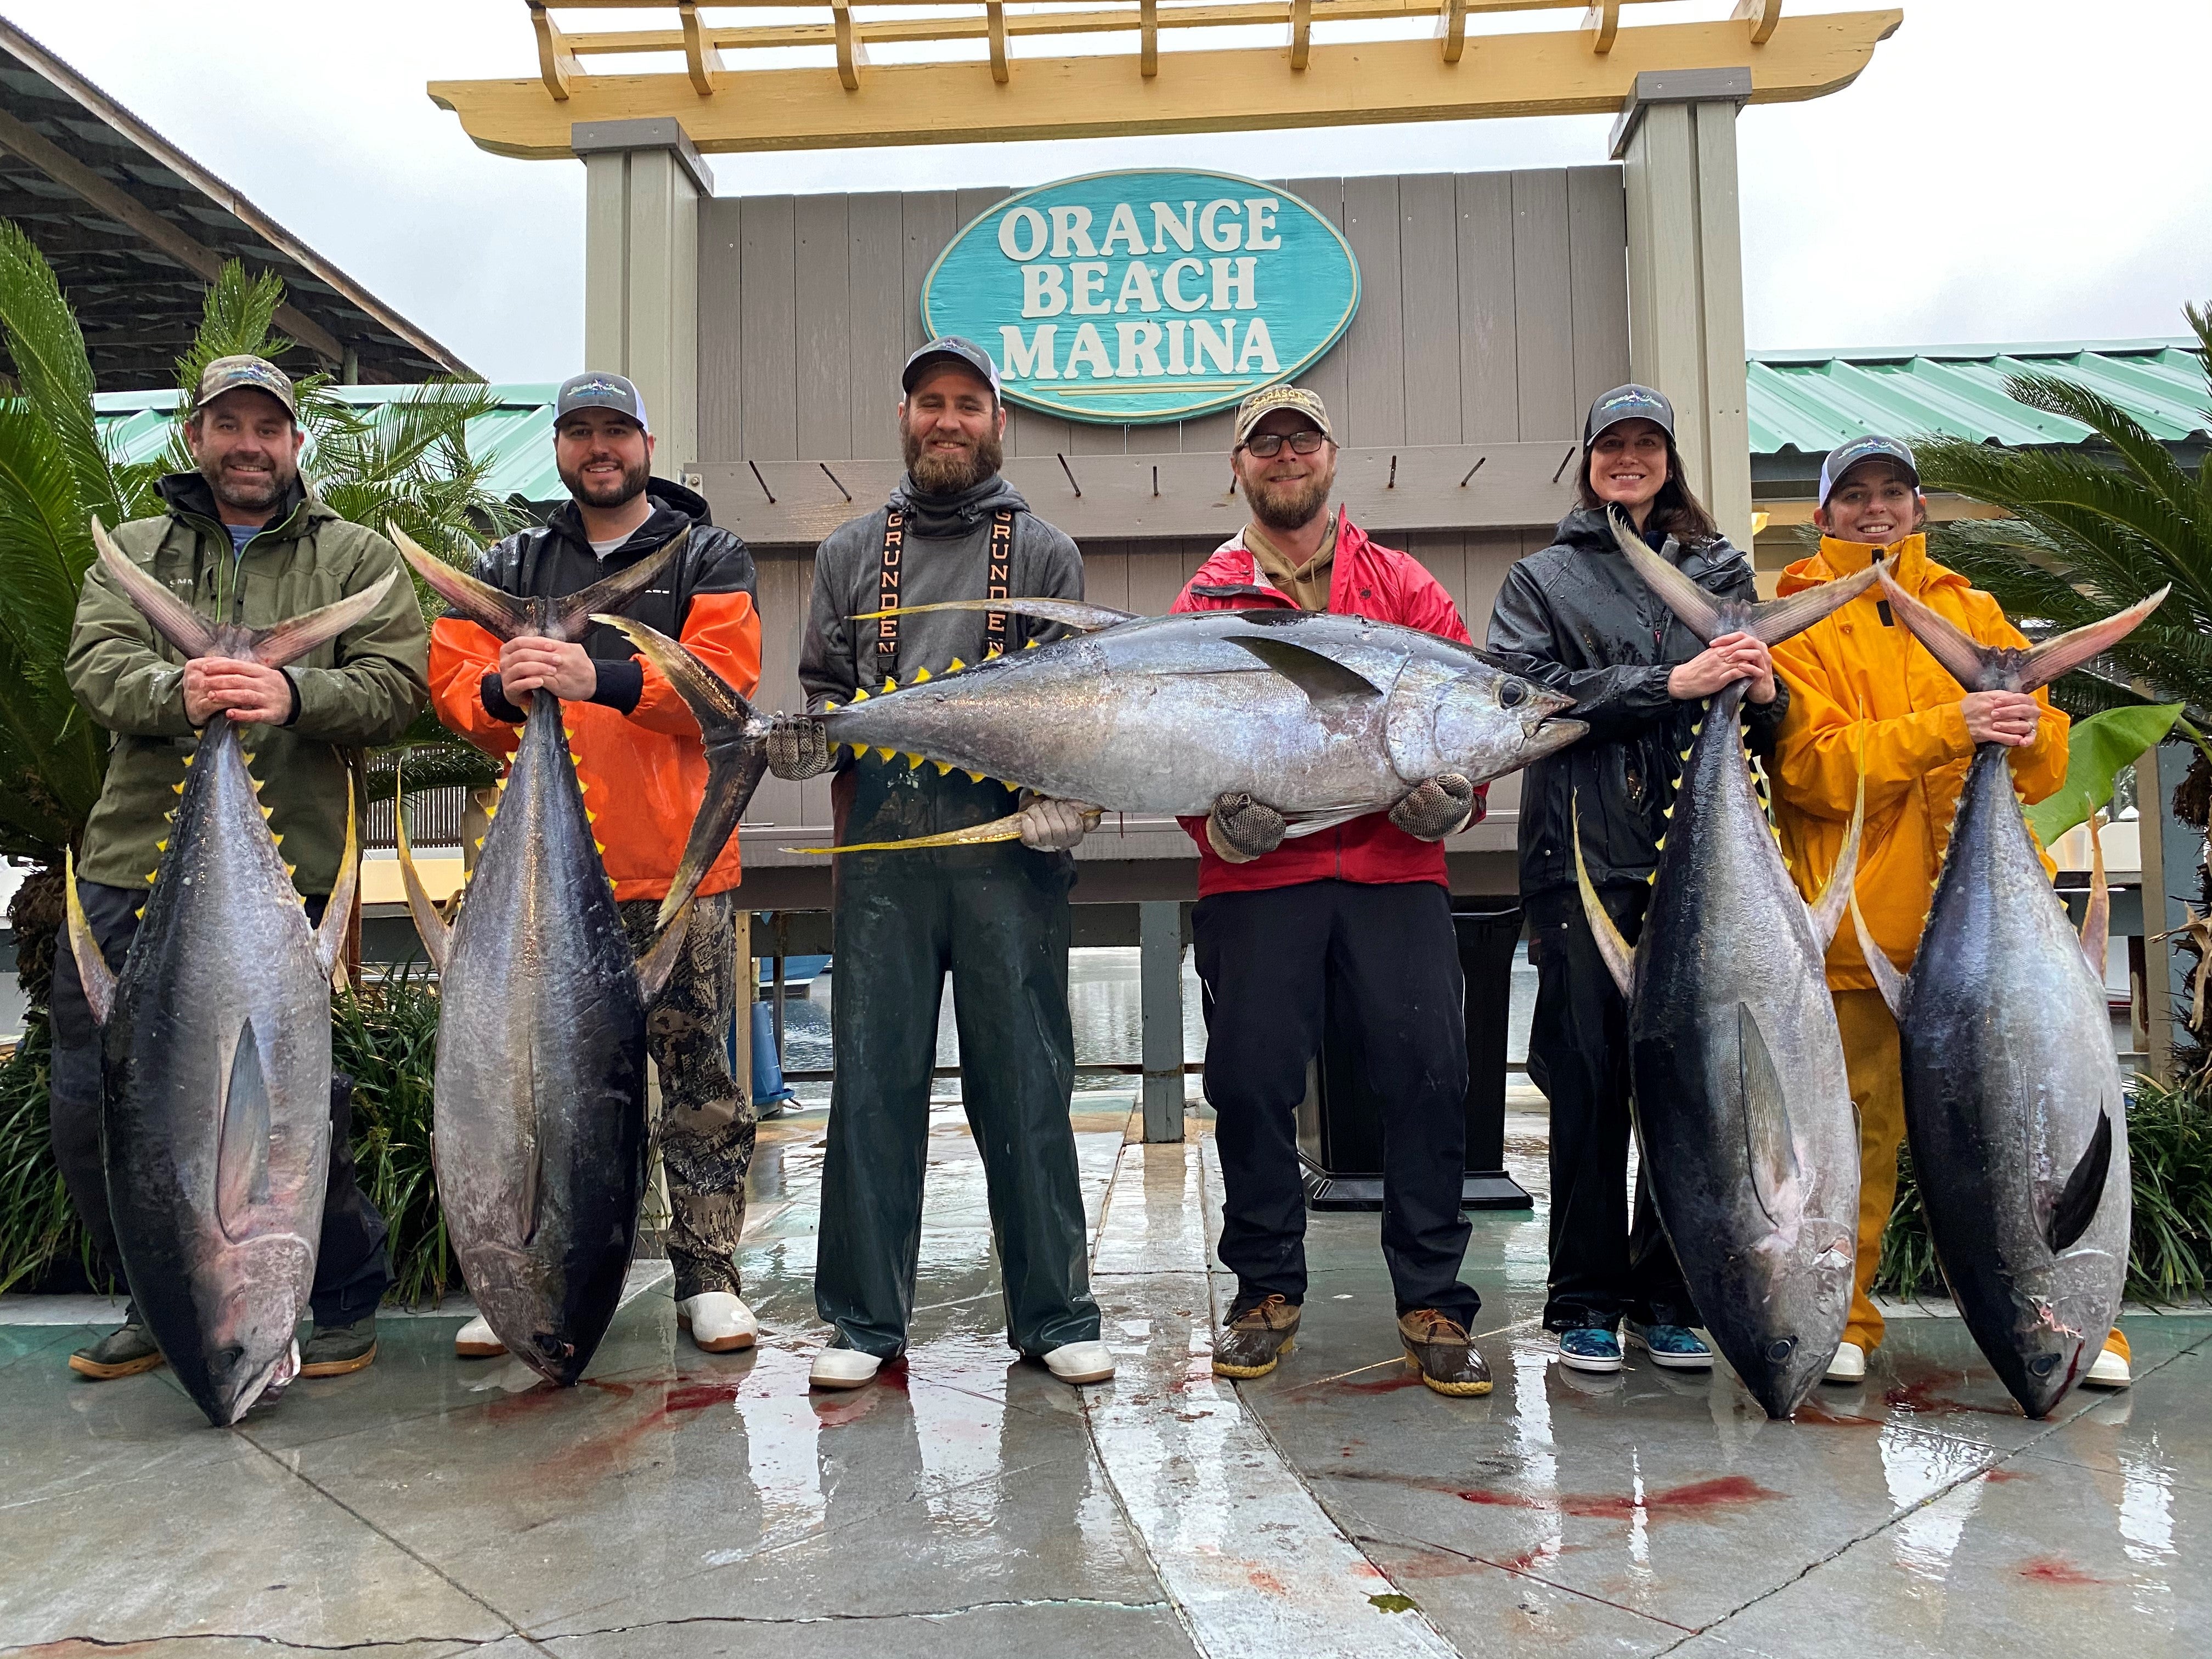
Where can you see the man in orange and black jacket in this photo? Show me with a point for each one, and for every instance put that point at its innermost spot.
(643, 771)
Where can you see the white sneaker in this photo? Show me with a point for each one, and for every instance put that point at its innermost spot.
(718, 1320)
(843, 1368)
(475, 1340)
(1848, 1366)
(2110, 1371)
(1081, 1362)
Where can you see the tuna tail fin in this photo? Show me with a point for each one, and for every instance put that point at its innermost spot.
(574, 615)
(430, 926)
(174, 620)
(337, 913)
(1974, 665)
(654, 967)
(1619, 956)
(736, 753)
(1073, 614)
(1894, 987)
(295, 637)
(502, 615)
(2069, 651)
(1775, 620)
(2085, 1189)
(1700, 611)
(1828, 908)
(92, 968)
(2097, 914)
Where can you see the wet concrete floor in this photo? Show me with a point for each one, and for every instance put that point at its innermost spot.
(680, 1503)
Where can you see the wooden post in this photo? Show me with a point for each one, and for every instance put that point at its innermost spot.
(2171, 850)
(1676, 137)
(1160, 938)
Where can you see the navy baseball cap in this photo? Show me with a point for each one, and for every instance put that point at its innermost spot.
(1872, 447)
(1628, 403)
(952, 349)
(598, 390)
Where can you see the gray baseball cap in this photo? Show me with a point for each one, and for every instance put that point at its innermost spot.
(248, 374)
(1628, 403)
(1872, 447)
(952, 349)
(599, 391)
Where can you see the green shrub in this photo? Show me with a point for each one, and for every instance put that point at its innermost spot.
(385, 1036)
(2169, 1157)
(38, 1223)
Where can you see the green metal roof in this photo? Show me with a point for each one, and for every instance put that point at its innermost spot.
(517, 437)
(1809, 402)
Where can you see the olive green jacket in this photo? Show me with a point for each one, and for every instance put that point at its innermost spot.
(360, 689)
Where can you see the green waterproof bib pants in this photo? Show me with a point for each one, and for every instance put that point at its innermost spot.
(996, 918)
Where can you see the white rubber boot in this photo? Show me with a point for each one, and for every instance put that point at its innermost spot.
(475, 1340)
(2110, 1371)
(1081, 1362)
(719, 1321)
(1848, 1366)
(843, 1368)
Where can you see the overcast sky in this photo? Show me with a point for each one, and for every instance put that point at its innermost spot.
(2006, 170)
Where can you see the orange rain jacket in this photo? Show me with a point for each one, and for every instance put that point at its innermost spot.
(1855, 674)
(639, 755)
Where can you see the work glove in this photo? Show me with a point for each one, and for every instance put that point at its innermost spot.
(799, 747)
(1435, 807)
(1054, 826)
(1242, 828)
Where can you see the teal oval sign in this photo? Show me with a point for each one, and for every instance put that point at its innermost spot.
(1141, 296)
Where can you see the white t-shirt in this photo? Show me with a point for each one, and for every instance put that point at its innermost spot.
(606, 547)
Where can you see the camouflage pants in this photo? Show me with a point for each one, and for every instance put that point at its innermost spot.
(705, 1129)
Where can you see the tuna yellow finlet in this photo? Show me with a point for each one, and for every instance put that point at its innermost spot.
(943, 767)
(914, 762)
(889, 684)
(161, 846)
(861, 695)
(920, 676)
(885, 754)
(956, 666)
(976, 777)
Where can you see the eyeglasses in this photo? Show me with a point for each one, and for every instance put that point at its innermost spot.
(1268, 445)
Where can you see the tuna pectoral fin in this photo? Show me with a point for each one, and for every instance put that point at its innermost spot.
(430, 926)
(289, 640)
(737, 758)
(1307, 824)
(976, 835)
(654, 967)
(1828, 908)
(1068, 613)
(242, 1181)
(1770, 1148)
(1323, 679)
(176, 622)
(1619, 958)
(338, 914)
(2097, 914)
(92, 968)
(2085, 1189)
(1891, 984)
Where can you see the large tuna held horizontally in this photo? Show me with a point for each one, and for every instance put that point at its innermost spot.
(1743, 1110)
(1323, 717)
(540, 1125)
(215, 1073)
(2013, 1102)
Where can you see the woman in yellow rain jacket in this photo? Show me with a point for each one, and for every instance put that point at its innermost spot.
(1860, 683)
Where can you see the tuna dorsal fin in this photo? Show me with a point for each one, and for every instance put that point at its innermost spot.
(1770, 1148)
(1775, 620)
(574, 614)
(654, 967)
(1323, 679)
(1072, 614)
(241, 1181)
(175, 621)
(290, 639)
(92, 969)
(2097, 914)
(736, 753)
(430, 926)
(500, 614)
(2085, 1189)
(1828, 908)
(2069, 651)
(1895, 988)
(1619, 957)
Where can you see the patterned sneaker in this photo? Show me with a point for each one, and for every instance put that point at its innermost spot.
(1252, 1342)
(1590, 1350)
(1443, 1353)
(1672, 1345)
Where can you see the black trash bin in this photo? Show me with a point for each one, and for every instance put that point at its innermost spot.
(1340, 1122)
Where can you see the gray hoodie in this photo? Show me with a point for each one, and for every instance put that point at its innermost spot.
(945, 555)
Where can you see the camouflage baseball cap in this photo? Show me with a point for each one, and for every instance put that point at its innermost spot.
(244, 374)
(1272, 399)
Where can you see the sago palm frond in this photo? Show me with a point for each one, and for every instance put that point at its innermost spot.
(55, 378)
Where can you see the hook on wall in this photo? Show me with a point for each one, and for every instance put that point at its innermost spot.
(1070, 470)
(762, 482)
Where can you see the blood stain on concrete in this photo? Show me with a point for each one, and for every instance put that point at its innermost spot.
(2052, 1570)
(1698, 1498)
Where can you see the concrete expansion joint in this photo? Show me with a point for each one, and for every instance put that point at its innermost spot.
(265, 1640)
(1092, 1603)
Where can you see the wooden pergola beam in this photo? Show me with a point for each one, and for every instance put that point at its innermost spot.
(1344, 84)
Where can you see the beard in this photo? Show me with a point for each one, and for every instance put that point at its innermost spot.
(250, 492)
(950, 475)
(621, 493)
(1292, 504)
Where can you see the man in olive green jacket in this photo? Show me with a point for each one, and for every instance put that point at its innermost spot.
(247, 540)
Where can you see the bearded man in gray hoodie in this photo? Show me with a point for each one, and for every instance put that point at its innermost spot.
(995, 916)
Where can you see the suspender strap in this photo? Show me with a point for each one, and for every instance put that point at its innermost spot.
(1002, 560)
(888, 591)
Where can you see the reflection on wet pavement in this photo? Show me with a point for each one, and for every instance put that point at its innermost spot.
(681, 1502)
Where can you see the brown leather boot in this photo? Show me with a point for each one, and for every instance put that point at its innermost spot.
(1443, 1353)
(1252, 1342)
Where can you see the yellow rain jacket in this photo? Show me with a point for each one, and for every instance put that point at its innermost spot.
(1855, 675)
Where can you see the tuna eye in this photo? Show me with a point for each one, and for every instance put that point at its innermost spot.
(1780, 1351)
(1512, 694)
(2043, 1363)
